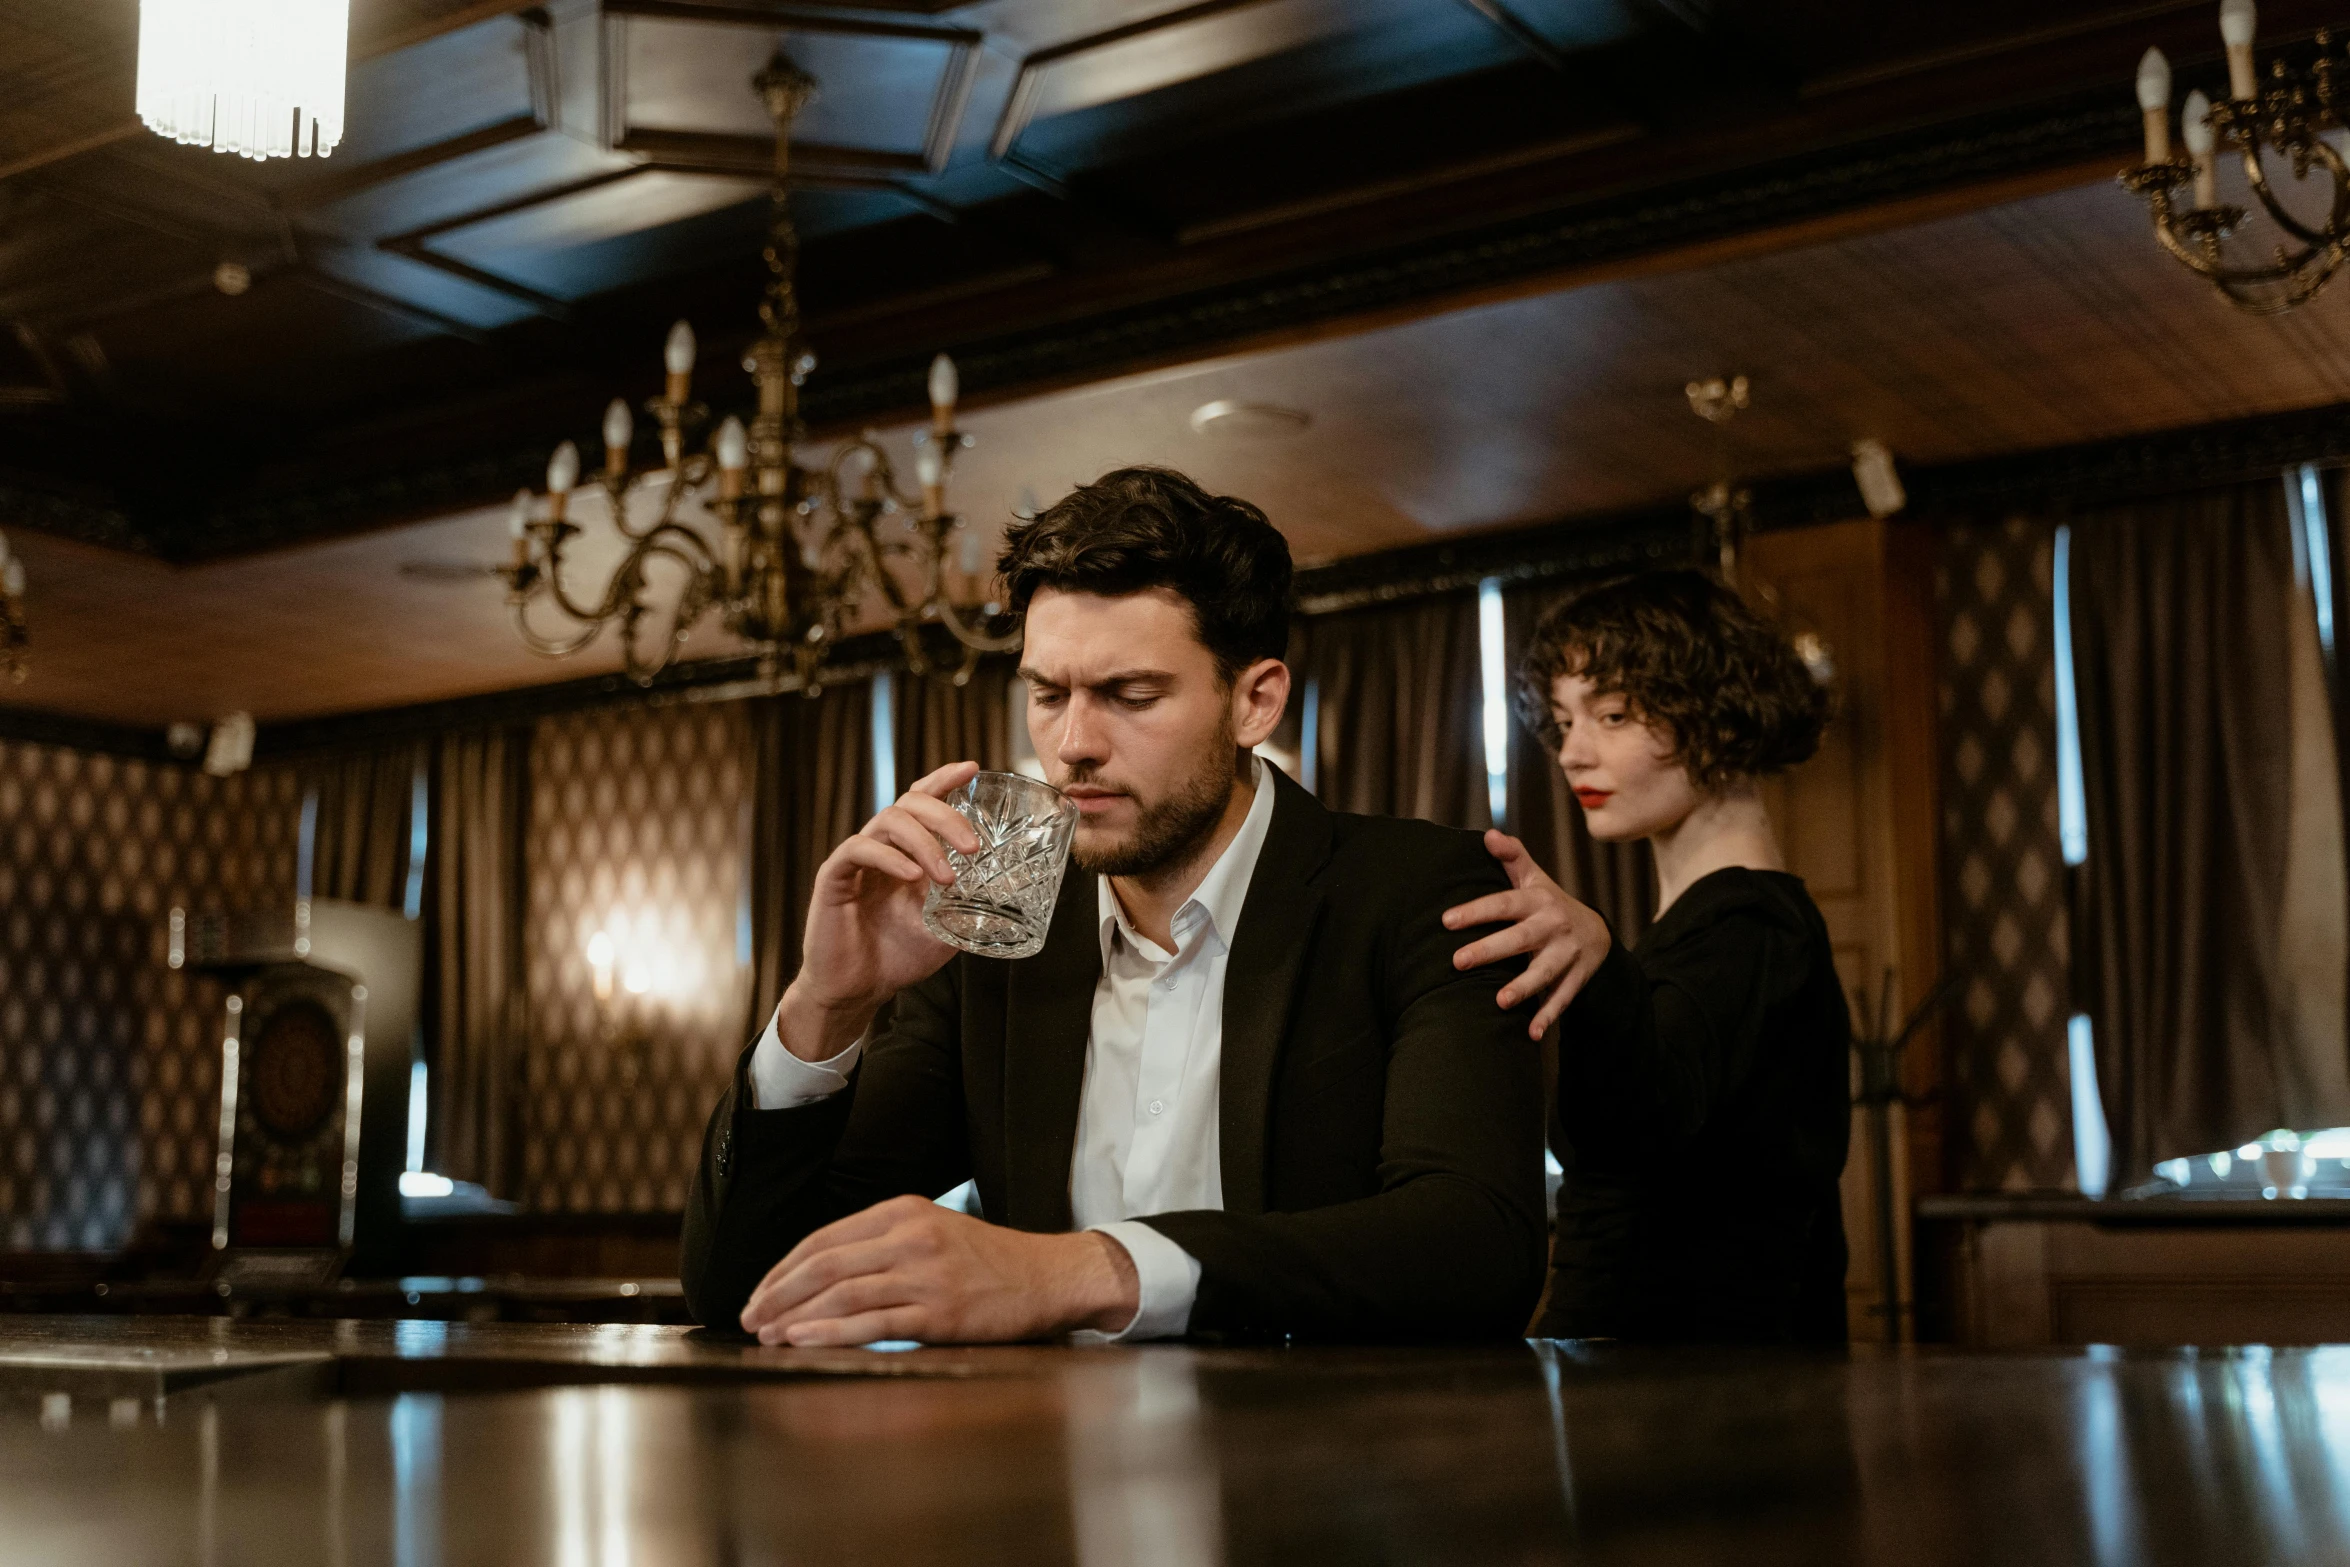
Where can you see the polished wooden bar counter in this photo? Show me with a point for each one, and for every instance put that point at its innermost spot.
(162, 1440)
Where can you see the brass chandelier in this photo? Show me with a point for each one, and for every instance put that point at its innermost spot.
(798, 549)
(2290, 119)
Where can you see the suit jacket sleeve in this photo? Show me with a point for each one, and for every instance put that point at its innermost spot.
(1451, 1246)
(769, 1178)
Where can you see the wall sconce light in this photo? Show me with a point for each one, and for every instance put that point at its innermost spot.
(600, 956)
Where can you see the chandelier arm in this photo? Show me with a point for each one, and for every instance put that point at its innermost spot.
(2257, 174)
(552, 647)
(2209, 265)
(692, 604)
(552, 575)
(977, 641)
(2305, 288)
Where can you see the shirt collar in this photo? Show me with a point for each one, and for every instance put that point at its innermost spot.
(1223, 891)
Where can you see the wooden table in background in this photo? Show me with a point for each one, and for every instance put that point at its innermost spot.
(155, 1440)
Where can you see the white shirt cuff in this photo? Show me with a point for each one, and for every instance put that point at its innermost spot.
(782, 1081)
(1169, 1279)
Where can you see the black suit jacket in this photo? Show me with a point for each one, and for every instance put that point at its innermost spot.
(1381, 1118)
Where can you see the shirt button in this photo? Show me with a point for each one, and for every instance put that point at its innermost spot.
(1168, 983)
(1157, 1105)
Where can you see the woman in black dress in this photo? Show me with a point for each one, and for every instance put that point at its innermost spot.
(1702, 1085)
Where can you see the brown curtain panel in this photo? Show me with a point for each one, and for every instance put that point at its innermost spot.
(811, 786)
(1400, 711)
(937, 722)
(362, 830)
(474, 992)
(1617, 879)
(2182, 665)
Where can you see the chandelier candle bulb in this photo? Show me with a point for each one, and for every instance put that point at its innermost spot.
(677, 357)
(2195, 131)
(518, 528)
(12, 578)
(945, 388)
(2238, 19)
(734, 456)
(619, 430)
(2154, 103)
(562, 474)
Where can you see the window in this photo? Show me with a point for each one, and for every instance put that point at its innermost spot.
(2092, 1140)
(2289, 1162)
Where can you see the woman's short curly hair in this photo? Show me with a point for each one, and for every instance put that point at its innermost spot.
(1693, 658)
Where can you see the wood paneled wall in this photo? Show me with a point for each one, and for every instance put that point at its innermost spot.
(1858, 825)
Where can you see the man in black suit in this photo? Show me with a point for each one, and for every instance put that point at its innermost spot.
(1244, 1088)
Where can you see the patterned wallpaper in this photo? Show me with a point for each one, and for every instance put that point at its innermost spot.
(636, 830)
(109, 1067)
(2003, 895)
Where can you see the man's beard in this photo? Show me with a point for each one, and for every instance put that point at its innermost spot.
(1167, 831)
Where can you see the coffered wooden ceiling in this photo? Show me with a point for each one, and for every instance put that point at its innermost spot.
(1481, 243)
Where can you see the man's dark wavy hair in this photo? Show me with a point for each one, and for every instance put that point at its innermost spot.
(1143, 528)
(1690, 656)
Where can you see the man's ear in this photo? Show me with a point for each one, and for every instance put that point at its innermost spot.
(1259, 694)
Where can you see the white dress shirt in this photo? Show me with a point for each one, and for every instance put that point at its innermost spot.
(1147, 1123)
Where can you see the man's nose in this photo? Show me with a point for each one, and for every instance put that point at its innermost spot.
(1082, 739)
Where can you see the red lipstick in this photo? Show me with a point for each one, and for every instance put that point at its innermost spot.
(1593, 799)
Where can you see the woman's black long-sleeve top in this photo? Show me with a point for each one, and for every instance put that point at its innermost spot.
(1705, 1110)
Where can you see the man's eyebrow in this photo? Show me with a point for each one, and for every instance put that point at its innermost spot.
(1120, 677)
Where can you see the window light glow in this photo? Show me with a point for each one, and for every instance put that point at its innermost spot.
(2313, 561)
(2072, 812)
(1497, 706)
(2092, 1143)
(259, 78)
(885, 744)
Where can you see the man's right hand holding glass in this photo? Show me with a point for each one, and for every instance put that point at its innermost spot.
(865, 938)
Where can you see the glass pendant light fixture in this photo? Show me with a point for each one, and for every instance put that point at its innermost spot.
(259, 78)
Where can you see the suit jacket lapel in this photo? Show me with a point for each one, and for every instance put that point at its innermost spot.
(1267, 954)
(1048, 1017)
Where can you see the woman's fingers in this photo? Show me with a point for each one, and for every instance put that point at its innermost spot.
(1511, 853)
(1554, 959)
(1562, 995)
(1525, 936)
(1495, 908)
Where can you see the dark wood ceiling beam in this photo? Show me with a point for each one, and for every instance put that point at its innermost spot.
(335, 286)
(1519, 32)
(753, 157)
(1028, 86)
(544, 305)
